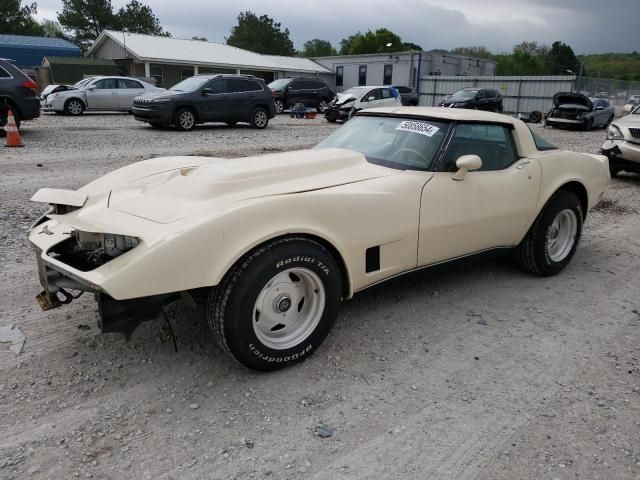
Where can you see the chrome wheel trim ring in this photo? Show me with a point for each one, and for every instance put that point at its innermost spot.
(561, 235)
(288, 308)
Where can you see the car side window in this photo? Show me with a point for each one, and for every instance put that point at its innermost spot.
(238, 85)
(253, 86)
(4, 73)
(126, 83)
(296, 85)
(386, 93)
(219, 85)
(107, 84)
(375, 93)
(318, 84)
(492, 143)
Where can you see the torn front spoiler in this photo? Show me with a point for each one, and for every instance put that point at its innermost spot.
(122, 316)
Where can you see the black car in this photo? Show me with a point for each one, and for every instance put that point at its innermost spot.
(408, 96)
(474, 98)
(208, 98)
(17, 93)
(312, 92)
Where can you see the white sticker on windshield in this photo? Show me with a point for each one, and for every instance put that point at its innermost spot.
(422, 128)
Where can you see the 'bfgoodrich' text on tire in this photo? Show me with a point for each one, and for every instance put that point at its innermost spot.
(277, 304)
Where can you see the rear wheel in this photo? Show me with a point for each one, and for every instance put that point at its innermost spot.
(277, 304)
(74, 107)
(259, 118)
(553, 238)
(279, 104)
(184, 119)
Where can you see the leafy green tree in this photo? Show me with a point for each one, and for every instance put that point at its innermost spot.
(478, 51)
(411, 46)
(138, 18)
(382, 40)
(318, 48)
(52, 29)
(17, 19)
(261, 35)
(561, 58)
(86, 19)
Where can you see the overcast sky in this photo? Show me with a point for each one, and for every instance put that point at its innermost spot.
(589, 26)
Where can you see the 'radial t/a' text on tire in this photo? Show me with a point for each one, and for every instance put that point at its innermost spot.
(277, 304)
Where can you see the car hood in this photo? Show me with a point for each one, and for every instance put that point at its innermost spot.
(631, 120)
(572, 100)
(450, 100)
(156, 94)
(165, 190)
(342, 98)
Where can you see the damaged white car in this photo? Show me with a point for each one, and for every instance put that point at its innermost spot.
(622, 145)
(351, 101)
(274, 243)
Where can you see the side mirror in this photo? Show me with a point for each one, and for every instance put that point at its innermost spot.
(600, 108)
(371, 98)
(466, 163)
(206, 91)
(91, 87)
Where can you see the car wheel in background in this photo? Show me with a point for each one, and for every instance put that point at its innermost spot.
(74, 107)
(553, 238)
(184, 119)
(535, 116)
(259, 118)
(331, 119)
(614, 171)
(322, 105)
(277, 304)
(279, 104)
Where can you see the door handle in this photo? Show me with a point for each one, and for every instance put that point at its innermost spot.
(522, 164)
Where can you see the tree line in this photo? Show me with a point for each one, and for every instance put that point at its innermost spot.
(81, 21)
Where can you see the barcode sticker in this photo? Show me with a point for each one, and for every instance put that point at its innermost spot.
(421, 128)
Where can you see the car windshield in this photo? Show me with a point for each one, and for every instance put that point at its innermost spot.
(464, 94)
(279, 84)
(354, 92)
(636, 111)
(402, 143)
(82, 82)
(190, 84)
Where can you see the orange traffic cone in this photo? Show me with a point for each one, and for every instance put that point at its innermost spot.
(13, 136)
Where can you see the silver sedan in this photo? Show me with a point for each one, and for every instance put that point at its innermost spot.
(98, 94)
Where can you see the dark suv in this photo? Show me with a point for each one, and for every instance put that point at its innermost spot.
(474, 98)
(208, 98)
(17, 93)
(311, 92)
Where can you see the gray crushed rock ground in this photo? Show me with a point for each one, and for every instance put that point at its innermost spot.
(466, 372)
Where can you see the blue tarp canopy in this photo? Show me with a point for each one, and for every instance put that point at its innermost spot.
(27, 52)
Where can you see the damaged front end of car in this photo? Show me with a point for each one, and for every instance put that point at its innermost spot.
(68, 257)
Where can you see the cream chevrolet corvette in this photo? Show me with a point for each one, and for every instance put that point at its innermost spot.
(271, 244)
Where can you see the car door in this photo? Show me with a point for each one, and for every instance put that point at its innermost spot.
(296, 92)
(215, 104)
(387, 99)
(127, 91)
(491, 207)
(103, 95)
(371, 99)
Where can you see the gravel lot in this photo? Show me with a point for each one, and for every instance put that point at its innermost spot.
(474, 371)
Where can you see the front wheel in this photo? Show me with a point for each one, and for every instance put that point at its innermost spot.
(74, 107)
(553, 238)
(279, 104)
(259, 118)
(184, 119)
(588, 125)
(277, 304)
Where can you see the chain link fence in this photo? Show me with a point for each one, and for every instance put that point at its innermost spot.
(616, 92)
